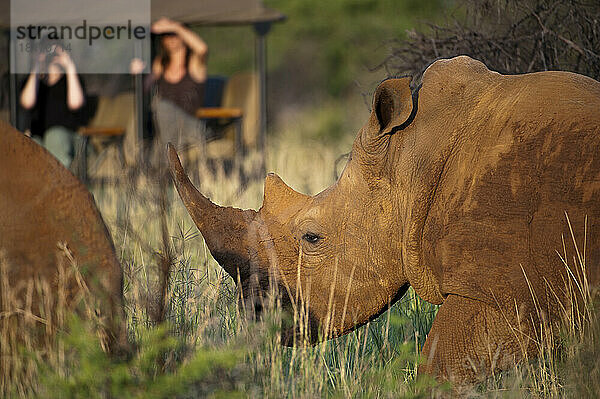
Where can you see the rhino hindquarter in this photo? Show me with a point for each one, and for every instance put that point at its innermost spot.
(48, 224)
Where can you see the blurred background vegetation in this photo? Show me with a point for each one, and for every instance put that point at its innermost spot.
(321, 60)
(325, 60)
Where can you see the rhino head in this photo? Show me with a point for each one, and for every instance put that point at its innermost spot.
(335, 251)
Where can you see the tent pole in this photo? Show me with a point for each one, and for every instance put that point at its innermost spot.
(138, 86)
(13, 82)
(13, 99)
(261, 29)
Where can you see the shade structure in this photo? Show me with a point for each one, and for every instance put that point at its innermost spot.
(195, 13)
(215, 12)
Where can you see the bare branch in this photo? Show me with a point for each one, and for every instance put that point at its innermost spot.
(509, 36)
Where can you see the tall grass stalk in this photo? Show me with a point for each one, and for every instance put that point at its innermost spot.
(207, 347)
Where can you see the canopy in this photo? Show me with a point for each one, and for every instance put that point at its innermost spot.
(198, 12)
(215, 12)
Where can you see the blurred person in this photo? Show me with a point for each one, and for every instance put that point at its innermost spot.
(179, 78)
(55, 97)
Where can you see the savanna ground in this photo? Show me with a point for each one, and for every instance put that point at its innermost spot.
(206, 348)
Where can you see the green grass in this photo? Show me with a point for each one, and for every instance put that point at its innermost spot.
(207, 349)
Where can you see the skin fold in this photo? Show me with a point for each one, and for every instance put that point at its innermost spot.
(459, 190)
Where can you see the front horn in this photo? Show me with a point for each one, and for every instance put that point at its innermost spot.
(225, 229)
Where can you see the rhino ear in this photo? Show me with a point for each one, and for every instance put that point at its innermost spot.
(280, 198)
(392, 106)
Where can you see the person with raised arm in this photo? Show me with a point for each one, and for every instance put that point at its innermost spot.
(179, 77)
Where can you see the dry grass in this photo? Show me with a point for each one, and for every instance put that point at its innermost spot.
(210, 349)
(28, 334)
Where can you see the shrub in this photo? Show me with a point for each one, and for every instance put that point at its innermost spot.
(509, 36)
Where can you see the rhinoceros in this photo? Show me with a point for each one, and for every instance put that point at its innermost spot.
(48, 219)
(464, 189)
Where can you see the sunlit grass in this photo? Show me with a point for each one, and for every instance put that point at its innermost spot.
(206, 347)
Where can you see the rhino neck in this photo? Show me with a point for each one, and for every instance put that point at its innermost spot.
(369, 274)
(417, 163)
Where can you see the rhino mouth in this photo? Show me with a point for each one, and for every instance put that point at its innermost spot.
(264, 300)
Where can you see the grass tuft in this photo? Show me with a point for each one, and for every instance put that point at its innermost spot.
(204, 348)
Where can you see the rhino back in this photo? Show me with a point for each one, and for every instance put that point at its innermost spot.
(522, 151)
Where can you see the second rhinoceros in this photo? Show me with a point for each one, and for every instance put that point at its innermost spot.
(458, 189)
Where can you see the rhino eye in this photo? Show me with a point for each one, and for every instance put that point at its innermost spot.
(311, 238)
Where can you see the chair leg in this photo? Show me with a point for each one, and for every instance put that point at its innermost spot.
(121, 151)
(80, 159)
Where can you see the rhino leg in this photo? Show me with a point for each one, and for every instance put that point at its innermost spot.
(470, 339)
